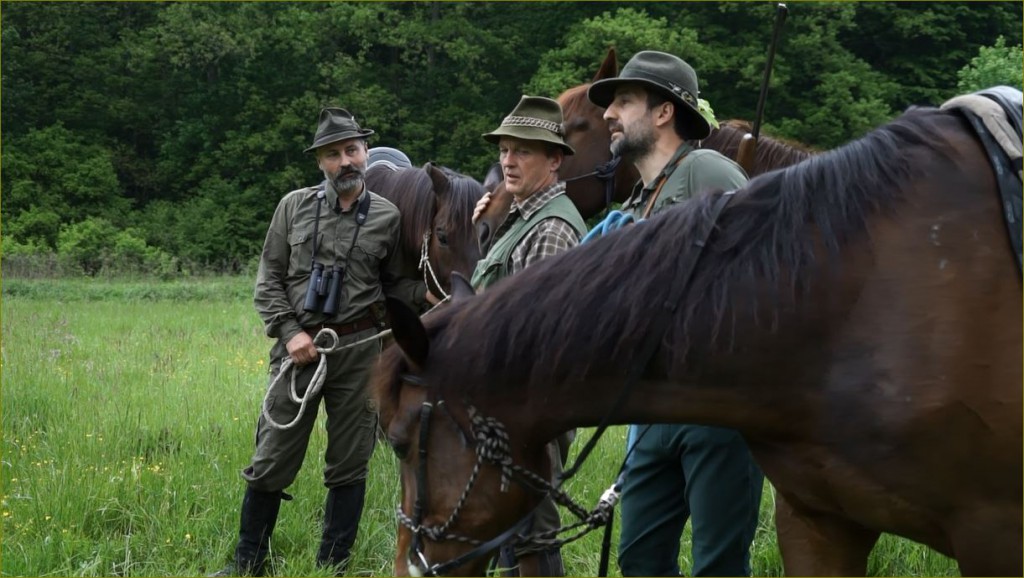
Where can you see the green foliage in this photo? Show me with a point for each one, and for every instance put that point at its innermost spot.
(993, 66)
(92, 245)
(628, 30)
(49, 170)
(187, 119)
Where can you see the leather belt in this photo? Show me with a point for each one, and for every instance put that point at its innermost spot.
(361, 324)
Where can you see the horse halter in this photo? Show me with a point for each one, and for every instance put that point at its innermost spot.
(490, 441)
(494, 440)
(604, 172)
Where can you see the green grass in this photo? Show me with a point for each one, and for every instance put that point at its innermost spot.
(129, 410)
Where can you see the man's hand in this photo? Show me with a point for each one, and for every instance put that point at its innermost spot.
(301, 349)
(481, 206)
(431, 298)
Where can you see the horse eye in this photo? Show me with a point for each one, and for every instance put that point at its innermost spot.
(442, 237)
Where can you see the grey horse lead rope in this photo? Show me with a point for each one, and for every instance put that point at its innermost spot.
(319, 376)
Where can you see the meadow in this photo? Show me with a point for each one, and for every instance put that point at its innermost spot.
(128, 410)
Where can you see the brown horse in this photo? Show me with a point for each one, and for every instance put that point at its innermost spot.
(587, 132)
(437, 207)
(857, 317)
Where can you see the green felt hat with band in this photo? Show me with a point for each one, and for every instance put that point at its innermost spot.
(534, 118)
(664, 73)
(336, 124)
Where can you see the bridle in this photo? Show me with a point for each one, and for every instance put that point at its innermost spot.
(604, 172)
(489, 438)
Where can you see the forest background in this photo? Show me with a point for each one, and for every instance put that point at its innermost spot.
(157, 138)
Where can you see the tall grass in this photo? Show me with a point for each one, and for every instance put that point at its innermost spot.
(128, 410)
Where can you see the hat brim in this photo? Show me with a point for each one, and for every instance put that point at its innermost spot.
(602, 93)
(527, 133)
(340, 136)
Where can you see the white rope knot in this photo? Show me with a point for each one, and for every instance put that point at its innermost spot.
(492, 444)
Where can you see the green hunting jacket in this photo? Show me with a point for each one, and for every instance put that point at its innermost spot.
(698, 171)
(370, 274)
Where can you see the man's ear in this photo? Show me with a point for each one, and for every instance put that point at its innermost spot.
(666, 114)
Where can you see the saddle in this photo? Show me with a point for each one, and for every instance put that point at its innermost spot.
(995, 114)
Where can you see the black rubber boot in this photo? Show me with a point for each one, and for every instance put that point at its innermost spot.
(342, 512)
(547, 563)
(259, 516)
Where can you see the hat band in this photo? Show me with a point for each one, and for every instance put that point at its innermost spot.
(533, 122)
(665, 83)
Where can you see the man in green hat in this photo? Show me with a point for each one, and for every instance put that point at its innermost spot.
(541, 222)
(677, 472)
(330, 257)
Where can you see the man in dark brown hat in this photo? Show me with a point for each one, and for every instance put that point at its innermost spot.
(541, 222)
(330, 257)
(677, 472)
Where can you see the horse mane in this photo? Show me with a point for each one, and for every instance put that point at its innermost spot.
(771, 151)
(586, 311)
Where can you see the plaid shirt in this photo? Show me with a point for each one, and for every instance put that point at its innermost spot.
(548, 237)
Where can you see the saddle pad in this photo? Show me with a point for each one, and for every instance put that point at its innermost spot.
(995, 114)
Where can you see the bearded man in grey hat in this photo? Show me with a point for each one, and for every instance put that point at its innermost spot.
(330, 257)
(677, 472)
(541, 222)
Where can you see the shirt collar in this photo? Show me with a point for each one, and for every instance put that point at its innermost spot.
(534, 202)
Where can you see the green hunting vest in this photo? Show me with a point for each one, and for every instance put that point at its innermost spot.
(495, 266)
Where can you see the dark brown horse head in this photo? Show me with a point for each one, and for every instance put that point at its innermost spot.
(437, 208)
(454, 496)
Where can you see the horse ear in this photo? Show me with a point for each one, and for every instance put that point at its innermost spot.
(609, 68)
(408, 331)
(438, 178)
(461, 287)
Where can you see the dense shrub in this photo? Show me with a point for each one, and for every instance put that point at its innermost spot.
(95, 245)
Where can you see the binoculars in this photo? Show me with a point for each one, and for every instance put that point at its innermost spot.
(324, 291)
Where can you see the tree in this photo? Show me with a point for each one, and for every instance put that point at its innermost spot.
(52, 177)
(993, 66)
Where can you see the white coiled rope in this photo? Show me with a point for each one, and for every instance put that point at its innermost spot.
(319, 376)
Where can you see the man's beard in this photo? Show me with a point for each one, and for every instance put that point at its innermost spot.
(637, 144)
(346, 181)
